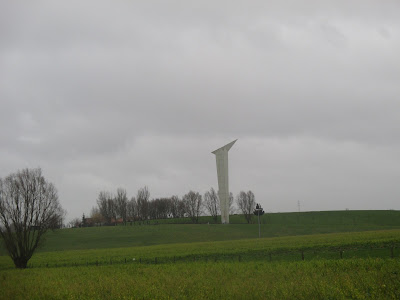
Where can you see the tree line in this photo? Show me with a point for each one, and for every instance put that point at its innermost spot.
(114, 208)
(29, 207)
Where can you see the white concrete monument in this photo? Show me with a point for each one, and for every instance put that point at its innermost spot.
(221, 156)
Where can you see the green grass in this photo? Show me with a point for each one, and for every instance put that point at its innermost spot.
(361, 244)
(345, 279)
(214, 270)
(187, 261)
(272, 225)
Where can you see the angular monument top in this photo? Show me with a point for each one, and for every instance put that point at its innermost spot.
(226, 147)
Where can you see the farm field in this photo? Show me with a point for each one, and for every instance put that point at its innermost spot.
(357, 244)
(330, 279)
(210, 261)
(272, 225)
(240, 269)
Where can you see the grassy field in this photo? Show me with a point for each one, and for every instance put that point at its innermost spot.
(297, 259)
(357, 244)
(239, 269)
(272, 225)
(340, 279)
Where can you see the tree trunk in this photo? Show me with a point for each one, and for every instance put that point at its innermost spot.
(21, 262)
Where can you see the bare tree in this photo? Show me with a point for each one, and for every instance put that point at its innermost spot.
(112, 208)
(75, 223)
(106, 205)
(246, 203)
(142, 199)
(193, 202)
(211, 203)
(28, 208)
(132, 209)
(232, 208)
(181, 209)
(61, 219)
(152, 212)
(175, 206)
(96, 216)
(121, 202)
(162, 208)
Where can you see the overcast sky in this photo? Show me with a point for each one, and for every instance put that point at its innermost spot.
(108, 94)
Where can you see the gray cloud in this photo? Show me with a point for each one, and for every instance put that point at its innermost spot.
(103, 94)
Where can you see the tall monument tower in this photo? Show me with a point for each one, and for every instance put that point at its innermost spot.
(221, 156)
